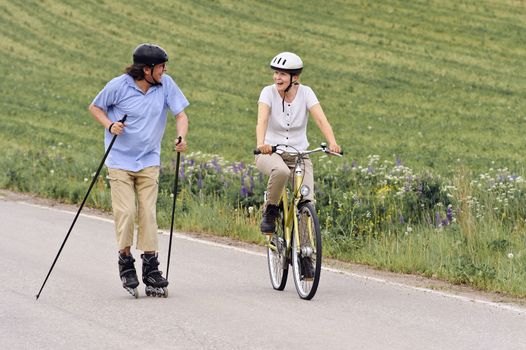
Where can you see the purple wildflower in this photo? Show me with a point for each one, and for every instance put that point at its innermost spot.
(181, 171)
(449, 213)
(244, 190)
(252, 184)
(216, 165)
(199, 180)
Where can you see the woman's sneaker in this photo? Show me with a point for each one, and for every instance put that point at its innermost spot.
(268, 223)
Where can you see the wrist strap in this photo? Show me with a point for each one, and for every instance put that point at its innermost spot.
(109, 128)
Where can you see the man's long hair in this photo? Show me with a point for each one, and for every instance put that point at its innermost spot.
(135, 71)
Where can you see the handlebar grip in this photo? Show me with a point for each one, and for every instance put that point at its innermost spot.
(274, 149)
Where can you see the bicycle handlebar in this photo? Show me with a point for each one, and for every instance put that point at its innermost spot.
(322, 148)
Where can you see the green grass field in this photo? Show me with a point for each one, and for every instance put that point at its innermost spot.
(439, 85)
(434, 83)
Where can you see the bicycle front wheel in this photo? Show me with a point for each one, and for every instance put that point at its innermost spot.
(307, 253)
(278, 265)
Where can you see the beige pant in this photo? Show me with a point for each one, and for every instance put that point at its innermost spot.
(280, 168)
(127, 189)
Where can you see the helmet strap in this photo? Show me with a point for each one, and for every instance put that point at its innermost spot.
(155, 82)
(287, 90)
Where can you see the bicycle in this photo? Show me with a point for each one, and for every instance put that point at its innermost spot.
(297, 239)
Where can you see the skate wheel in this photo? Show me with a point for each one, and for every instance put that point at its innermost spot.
(165, 293)
(133, 291)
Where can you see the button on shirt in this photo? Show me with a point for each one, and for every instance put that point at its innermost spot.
(288, 127)
(139, 146)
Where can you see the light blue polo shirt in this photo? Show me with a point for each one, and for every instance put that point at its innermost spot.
(139, 146)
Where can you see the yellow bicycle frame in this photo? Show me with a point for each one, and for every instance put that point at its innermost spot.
(290, 218)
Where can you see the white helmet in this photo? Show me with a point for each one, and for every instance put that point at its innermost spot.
(287, 62)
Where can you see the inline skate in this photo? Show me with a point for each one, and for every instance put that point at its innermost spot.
(128, 274)
(151, 276)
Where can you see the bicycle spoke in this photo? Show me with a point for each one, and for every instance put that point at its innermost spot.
(277, 262)
(306, 252)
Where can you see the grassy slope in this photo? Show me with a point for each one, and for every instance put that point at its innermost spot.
(430, 82)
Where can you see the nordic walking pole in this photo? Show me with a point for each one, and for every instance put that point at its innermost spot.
(173, 206)
(82, 205)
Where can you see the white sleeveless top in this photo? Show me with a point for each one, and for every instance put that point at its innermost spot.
(288, 127)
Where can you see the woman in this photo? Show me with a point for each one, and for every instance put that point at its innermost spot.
(283, 110)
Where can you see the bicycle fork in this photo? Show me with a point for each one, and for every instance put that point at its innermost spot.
(298, 179)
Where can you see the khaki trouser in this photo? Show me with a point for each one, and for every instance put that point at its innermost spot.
(280, 168)
(127, 189)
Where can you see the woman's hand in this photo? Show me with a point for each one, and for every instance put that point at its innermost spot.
(265, 149)
(334, 147)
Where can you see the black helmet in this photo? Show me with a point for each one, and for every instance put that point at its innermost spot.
(149, 54)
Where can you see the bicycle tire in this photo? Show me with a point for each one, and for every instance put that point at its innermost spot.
(278, 263)
(307, 252)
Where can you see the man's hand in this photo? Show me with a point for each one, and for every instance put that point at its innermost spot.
(180, 144)
(116, 128)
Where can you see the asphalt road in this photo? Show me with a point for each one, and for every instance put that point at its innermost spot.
(220, 298)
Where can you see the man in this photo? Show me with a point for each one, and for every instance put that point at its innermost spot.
(144, 94)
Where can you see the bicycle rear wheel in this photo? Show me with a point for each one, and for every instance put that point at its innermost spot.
(307, 253)
(278, 265)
